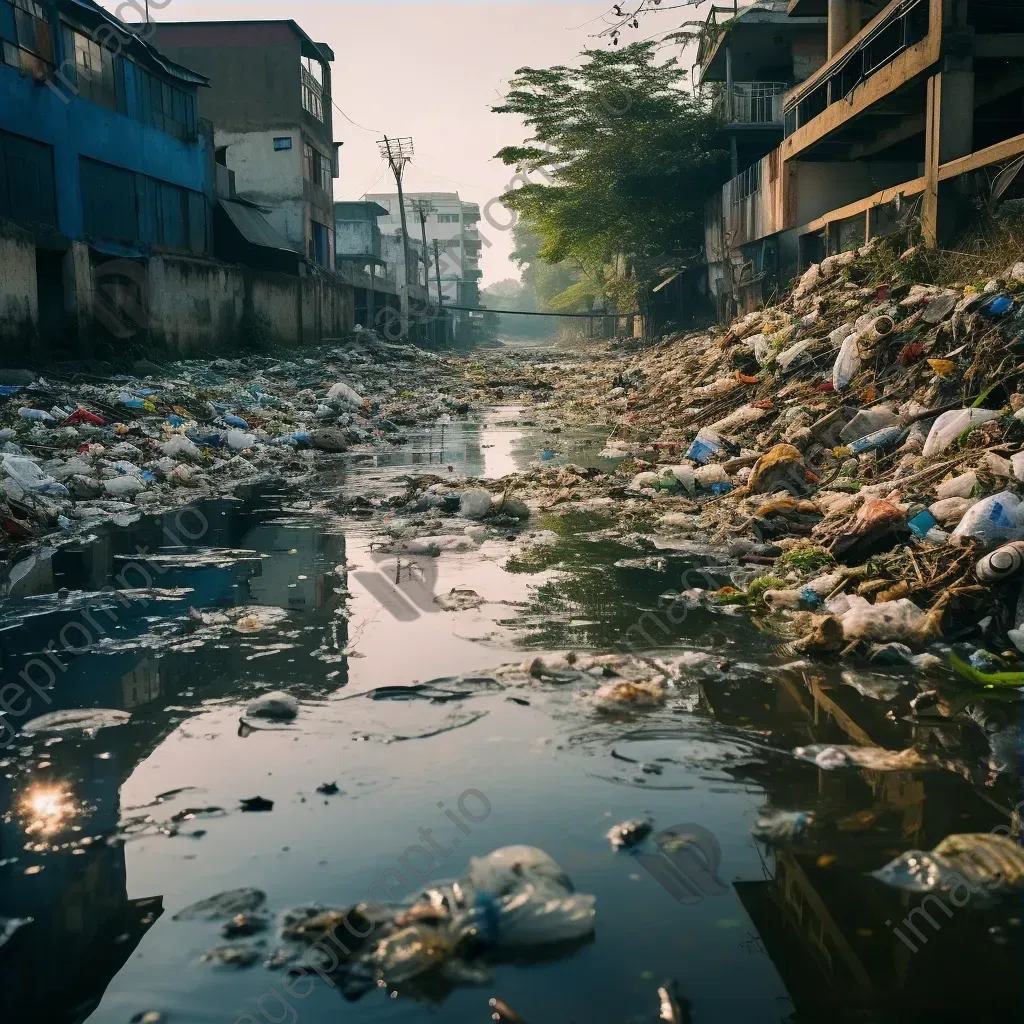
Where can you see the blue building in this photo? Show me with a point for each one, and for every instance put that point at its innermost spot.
(101, 154)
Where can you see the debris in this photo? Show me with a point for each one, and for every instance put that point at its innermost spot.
(977, 863)
(256, 803)
(628, 834)
(876, 759)
(277, 706)
(86, 719)
(225, 904)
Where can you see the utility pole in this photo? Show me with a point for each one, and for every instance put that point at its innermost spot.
(398, 153)
(437, 275)
(423, 209)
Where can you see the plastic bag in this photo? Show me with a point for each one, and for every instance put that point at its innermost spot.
(475, 503)
(867, 421)
(1017, 461)
(847, 364)
(762, 350)
(890, 620)
(949, 510)
(950, 425)
(959, 487)
(794, 355)
(707, 476)
(28, 474)
(704, 445)
(521, 897)
(840, 334)
(684, 475)
(342, 394)
(179, 447)
(124, 486)
(994, 519)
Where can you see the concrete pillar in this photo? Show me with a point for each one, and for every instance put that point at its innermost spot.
(949, 133)
(843, 24)
(78, 297)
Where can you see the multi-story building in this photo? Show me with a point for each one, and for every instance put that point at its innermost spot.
(101, 153)
(894, 113)
(452, 223)
(270, 103)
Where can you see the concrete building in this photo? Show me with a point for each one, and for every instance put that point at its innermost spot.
(453, 224)
(101, 154)
(894, 113)
(270, 104)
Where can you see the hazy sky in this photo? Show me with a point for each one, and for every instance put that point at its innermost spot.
(432, 71)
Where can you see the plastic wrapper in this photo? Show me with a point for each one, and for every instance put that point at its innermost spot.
(958, 487)
(847, 364)
(342, 394)
(980, 863)
(950, 425)
(475, 503)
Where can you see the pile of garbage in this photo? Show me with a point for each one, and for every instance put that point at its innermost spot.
(74, 448)
(514, 899)
(857, 450)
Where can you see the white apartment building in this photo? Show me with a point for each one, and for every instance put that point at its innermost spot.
(454, 224)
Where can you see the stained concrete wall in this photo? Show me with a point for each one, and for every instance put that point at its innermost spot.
(19, 309)
(199, 305)
(821, 187)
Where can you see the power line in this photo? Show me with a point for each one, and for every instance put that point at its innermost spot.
(362, 128)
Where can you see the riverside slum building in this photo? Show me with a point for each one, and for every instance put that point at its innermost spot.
(849, 120)
(136, 216)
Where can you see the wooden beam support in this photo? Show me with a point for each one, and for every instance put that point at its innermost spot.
(992, 155)
(933, 127)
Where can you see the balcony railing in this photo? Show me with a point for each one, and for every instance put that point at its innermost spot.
(753, 103)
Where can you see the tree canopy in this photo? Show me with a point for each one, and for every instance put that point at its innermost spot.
(625, 156)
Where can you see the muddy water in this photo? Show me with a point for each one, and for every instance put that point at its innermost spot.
(107, 834)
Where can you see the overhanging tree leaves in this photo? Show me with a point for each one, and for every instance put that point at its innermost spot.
(627, 159)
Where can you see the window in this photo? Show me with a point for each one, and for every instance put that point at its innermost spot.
(316, 167)
(285, 142)
(93, 68)
(27, 193)
(447, 218)
(164, 106)
(312, 88)
(26, 36)
(123, 206)
(318, 243)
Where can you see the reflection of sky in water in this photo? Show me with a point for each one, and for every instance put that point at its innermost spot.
(556, 774)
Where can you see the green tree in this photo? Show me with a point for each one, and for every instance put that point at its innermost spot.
(628, 158)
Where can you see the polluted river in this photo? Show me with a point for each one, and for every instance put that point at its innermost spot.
(262, 765)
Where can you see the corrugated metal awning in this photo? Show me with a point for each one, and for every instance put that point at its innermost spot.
(253, 226)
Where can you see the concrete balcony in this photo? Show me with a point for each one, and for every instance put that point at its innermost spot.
(753, 103)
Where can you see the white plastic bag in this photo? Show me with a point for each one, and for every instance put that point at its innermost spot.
(713, 474)
(124, 486)
(684, 475)
(762, 350)
(959, 487)
(180, 447)
(239, 440)
(1018, 465)
(950, 425)
(28, 474)
(475, 503)
(847, 364)
(342, 394)
(890, 620)
(994, 519)
(794, 355)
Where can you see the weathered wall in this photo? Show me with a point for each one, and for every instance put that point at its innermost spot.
(19, 310)
(821, 187)
(202, 305)
(270, 178)
(253, 69)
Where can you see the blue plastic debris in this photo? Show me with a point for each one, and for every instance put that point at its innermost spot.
(722, 487)
(999, 305)
(6, 390)
(547, 455)
(887, 437)
(235, 421)
(922, 523)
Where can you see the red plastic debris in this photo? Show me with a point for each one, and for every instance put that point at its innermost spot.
(910, 354)
(83, 416)
(827, 386)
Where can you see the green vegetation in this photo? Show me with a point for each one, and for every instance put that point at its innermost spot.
(627, 159)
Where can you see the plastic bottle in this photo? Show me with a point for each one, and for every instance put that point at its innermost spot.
(35, 414)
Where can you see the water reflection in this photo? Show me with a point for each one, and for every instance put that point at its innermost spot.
(809, 935)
